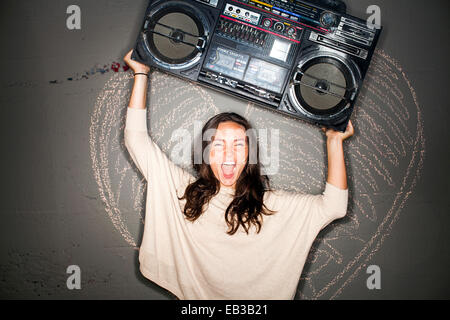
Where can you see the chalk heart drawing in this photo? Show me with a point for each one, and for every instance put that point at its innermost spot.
(384, 160)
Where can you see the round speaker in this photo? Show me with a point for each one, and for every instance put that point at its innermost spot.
(175, 34)
(324, 84)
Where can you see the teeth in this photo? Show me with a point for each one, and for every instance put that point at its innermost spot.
(229, 163)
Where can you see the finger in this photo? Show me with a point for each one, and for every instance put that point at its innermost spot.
(351, 129)
(348, 131)
(128, 56)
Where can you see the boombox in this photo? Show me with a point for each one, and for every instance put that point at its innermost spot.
(303, 59)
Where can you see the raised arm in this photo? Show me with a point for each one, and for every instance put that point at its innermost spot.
(337, 174)
(332, 203)
(137, 140)
(139, 92)
(159, 171)
(304, 215)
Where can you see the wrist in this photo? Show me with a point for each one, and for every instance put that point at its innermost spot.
(141, 70)
(143, 74)
(140, 78)
(334, 139)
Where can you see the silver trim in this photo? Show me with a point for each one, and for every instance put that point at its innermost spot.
(328, 41)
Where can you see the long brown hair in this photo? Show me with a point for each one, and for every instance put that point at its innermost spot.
(247, 207)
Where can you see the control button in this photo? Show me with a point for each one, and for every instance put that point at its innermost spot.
(328, 19)
(267, 23)
(247, 13)
(238, 11)
(290, 31)
(230, 8)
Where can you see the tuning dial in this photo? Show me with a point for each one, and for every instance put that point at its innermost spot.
(279, 26)
(328, 19)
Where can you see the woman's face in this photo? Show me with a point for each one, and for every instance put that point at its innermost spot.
(228, 153)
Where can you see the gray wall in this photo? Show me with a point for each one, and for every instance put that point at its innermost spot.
(72, 196)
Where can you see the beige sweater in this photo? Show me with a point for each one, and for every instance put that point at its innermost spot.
(199, 260)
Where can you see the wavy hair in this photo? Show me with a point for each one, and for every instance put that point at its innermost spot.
(247, 207)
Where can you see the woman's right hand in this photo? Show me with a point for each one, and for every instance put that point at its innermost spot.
(137, 67)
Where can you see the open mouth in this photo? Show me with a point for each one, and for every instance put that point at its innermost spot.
(228, 169)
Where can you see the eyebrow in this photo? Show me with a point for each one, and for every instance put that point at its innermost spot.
(240, 139)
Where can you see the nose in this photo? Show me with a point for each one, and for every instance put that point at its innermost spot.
(229, 153)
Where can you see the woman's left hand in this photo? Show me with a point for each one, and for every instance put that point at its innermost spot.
(331, 133)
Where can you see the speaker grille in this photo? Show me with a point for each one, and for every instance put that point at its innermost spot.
(323, 85)
(174, 35)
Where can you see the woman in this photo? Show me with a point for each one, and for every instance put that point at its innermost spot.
(225, 234)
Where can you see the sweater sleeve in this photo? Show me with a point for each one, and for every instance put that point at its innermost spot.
(151, 161)
(322, 209)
